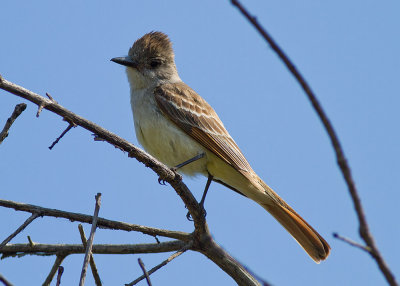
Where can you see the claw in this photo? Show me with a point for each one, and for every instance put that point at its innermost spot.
(203, 213)
(189, 217)
(161, 181)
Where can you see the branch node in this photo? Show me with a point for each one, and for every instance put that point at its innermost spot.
(352, 242)
(51, 98)
(19, 229)
(31, 243)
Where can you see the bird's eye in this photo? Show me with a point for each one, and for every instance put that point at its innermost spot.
(155, 63)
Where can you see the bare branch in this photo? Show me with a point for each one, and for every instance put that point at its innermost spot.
(59, 274)
(340, 157)
(89, 245)
(144, 271)
(57, 263)
(5, 281)
(102, 223)
(62, 135)
(203, 241)
(67, 249)
(165, 262)
(165, 173)
(43, 104)
(95, 273)
(352, 243)
(21, 228)
(19, 108)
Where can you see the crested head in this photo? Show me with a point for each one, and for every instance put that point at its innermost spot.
(152, 45)
(152, 59)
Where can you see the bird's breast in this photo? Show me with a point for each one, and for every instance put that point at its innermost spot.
(161, 137)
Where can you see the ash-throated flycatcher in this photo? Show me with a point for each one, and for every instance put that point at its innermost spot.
(174, 124)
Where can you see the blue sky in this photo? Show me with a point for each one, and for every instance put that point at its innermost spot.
(348, 52)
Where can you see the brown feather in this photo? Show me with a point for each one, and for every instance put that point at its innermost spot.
(195, 117)
(302, 232)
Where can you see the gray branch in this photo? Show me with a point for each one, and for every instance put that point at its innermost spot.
(21, 228)
(95, 273)
(41, 249)
(102, 222)
(89, 245)
(54, 269)
(19, 108)
(5, 281)
(202, 239)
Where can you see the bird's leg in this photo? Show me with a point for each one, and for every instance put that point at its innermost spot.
(203, 198)
(191, 160)
(195, 158)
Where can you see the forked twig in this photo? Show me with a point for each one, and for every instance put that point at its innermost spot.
(95, 273)
(54, 269)
(90, 241)
(21, 228)
(146, 275)
(165, 262)
(352, 243)
(59, 274)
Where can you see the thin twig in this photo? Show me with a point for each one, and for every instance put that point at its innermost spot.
(54, 269)
(40, 108)
(156, 238)
(102, 222)
(90, 241)
(5, 281)
(146, 275)
(50, 97)
(352, 243)
(95, 273)
(31, 243)
(20, 249)
(19, 108)
(59, 274)
(340, 157)
(165, 262)
(21, 228)
(62, 135)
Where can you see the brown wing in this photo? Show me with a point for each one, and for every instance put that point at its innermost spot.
(195, 116)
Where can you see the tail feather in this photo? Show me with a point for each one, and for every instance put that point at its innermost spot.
(309, 239)
(251, 186)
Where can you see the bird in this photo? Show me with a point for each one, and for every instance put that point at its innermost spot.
(179, 128)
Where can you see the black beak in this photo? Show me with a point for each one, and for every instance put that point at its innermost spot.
(125, 61)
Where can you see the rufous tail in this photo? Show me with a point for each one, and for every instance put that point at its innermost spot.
(308, 238)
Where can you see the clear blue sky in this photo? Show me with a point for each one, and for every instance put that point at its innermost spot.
(347, 50)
